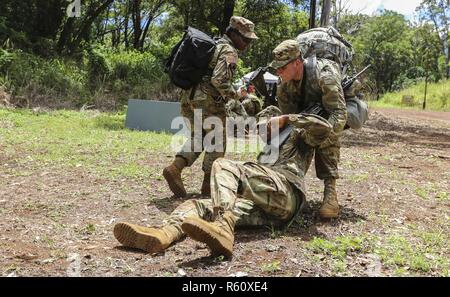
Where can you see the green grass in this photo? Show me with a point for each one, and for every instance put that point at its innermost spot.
(96, 142)
(422, 193)
(438, 97)
(339, 247)
(420, 252)
(271, 267)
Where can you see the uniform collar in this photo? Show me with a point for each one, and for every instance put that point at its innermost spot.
(228, 40)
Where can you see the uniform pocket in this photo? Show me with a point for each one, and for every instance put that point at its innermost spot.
(262, 183)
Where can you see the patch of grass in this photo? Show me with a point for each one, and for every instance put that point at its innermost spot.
(271, 267)
(47, 240)
(339, 266)
(442, 196)
(423, 253)
(357, 178)
(422, 193)
(96, 143)
(89, 229)
(110, 122)
(339, 247)
(274, 232)
(219, 259)
(437, 97)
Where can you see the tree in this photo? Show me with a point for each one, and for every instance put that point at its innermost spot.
(312, 14)
(143, 13)
(384, 42)
(31, 24)
(325, 16)
(76, 31)
(212, 16)
(274, 22)
(438, 12)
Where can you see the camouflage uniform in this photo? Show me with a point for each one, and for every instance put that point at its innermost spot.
(321, 84)
(260, 194)
(235, 109)
(209, 97)
(205, 104)
(252, 104)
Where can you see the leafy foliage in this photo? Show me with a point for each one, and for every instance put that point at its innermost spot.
(116, 49)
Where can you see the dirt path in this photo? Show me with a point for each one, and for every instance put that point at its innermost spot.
(394, 193)
(415, 114)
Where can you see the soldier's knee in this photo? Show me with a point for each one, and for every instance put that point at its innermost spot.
(218, 163)
(225, 164)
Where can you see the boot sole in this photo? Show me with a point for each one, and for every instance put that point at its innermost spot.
(130, 237)
(177, 190)
(197, 233)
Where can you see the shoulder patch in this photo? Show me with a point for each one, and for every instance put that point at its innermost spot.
(231, 58)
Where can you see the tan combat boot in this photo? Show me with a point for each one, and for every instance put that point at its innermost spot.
(172, 174)
(206, 185)
(151, 240)
(330, 206)
(218, 235)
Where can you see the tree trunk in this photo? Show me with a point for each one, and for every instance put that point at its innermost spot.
(65, 35)
(325, 16)
(125, 33)
(447, 60)
(86, 26)
(312, 14)
(136, 16)
(425, 95)
(228, 10)
(144, 33)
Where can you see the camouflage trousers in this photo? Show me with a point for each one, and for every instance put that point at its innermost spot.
(209, 108)
(326, 158)
(256, 194)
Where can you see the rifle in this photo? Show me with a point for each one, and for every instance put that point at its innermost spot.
(273, 145)
(317, 108)
(347, 82)
(257, 79)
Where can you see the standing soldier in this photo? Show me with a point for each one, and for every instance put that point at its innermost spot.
(210, 96)
(307, 83)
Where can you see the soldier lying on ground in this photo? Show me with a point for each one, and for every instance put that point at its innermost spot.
(242, 193)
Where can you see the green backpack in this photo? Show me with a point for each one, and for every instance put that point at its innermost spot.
(326, 43)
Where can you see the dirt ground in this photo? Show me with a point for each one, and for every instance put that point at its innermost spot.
(394, 184)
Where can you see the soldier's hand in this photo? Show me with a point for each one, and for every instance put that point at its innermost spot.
(280, 120)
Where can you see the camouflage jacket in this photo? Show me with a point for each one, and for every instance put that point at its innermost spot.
(292, 160)
(321, 83)
(252, 104)
(235, 108)
(223, 65)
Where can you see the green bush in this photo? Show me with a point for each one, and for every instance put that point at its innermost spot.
(140, 75)
(56, 80)
(98, 69)
(104, 79)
